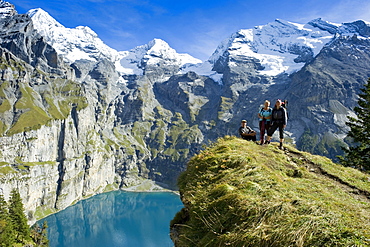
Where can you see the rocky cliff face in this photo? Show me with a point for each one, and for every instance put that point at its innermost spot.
(79, 118)
(74, 128)
(47, 127)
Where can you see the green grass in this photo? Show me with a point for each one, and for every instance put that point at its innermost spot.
(225, 106)
(237, 193)
(33, 116)
(36, 106)
(2, 128)
(5, 169)
(29, 120)
(58, 100)
(43, 211)
(53, 110)
(5, 106)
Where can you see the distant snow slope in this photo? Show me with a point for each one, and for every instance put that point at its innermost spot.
(280, 46)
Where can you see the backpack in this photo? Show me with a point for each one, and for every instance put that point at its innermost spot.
(284, 104)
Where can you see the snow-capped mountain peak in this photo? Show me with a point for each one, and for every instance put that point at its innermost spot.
(72, 43)
(6, 9)
(159, 48)
(280, 46)
(156, 51)
(283, 46)
(45, 22)
(41, 17)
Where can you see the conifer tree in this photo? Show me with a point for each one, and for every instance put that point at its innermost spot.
(19, 220)
(7, 237)
(358, 155)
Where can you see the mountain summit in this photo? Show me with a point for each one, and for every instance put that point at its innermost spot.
(71, 43)
(155, 52)
(6, 9)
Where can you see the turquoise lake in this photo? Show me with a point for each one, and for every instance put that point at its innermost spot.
(115, 219)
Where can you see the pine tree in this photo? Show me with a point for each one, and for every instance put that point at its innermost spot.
(358, 155)
(19, 220)
(7, 237)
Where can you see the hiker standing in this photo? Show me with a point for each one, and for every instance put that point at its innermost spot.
(278, 120)
(264, 116)
(246, 132)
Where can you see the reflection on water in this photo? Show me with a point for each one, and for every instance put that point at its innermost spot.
(115, 219)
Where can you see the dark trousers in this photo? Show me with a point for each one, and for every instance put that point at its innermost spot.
(264, 126)
(274, 127)
(249, 138)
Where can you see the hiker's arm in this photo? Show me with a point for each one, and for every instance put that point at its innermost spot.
(251, 132)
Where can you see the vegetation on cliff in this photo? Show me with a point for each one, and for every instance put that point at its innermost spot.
(237, 193)
(30, 98)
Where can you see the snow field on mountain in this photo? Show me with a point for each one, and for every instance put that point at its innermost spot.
(276, 45)
(279, 47)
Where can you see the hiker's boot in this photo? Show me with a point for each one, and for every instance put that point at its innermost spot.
(267, 142)
(281, 145)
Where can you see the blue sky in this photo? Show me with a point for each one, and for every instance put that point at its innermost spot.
(194, 27)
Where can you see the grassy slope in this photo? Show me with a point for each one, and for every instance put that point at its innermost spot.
(40, 97)
(237, 193)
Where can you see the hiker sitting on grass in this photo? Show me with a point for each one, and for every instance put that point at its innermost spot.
(246, 132)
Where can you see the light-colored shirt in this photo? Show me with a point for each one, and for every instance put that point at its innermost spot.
(265, 113)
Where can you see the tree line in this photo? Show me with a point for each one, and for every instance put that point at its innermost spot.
(14, 229)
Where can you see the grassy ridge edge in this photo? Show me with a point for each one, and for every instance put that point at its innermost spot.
(237, 193)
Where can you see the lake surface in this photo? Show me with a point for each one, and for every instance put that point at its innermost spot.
(115, 219)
